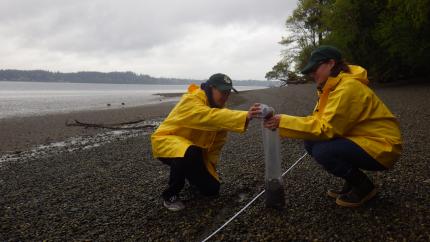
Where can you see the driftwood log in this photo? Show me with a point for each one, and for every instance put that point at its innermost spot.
(116, 126)
(287, 81)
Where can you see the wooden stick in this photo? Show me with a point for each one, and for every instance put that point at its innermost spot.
(110, 126)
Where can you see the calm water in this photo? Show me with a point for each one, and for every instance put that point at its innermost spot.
(29, 98)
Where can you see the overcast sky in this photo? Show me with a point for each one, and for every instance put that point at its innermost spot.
(170, 38)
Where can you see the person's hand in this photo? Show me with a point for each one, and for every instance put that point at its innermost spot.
(254, 111)
(273, 122)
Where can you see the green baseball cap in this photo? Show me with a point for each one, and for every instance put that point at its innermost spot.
(319, 55)
(221, 82)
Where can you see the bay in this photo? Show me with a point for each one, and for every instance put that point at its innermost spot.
(18, 99)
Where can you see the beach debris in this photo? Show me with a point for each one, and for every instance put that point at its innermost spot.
(108, 104)
(242, 197)
(137, 124)
(71, 144)
(272, 158)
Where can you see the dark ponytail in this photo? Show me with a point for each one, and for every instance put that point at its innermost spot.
(208, 90)
(338, 67)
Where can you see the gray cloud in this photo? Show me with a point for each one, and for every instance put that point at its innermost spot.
(177, 38)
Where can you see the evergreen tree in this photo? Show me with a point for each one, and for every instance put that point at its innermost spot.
(391, 38)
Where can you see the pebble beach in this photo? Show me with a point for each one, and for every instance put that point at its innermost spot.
(104, 186)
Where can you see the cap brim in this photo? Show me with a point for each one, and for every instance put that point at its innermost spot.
(224, 87)
(308, 68)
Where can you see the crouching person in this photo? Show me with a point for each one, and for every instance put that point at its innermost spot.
(350, 129)
(190, 139)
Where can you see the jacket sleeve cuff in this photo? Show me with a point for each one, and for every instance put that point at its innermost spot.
(243, 121)
(286, 121)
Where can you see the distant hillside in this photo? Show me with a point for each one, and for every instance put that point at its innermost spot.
(102, 77)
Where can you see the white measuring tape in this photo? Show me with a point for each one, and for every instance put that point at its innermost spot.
(252, 201)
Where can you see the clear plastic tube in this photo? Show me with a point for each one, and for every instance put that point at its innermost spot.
(272, 158)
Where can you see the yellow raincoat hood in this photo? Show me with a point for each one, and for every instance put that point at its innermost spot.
(348, 108)
(193, 122)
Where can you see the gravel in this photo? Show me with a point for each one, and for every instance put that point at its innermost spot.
(112, 191)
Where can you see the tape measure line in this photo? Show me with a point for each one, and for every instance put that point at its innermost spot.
(251, 202)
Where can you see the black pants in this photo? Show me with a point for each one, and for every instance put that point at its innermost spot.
(341, 157)
(192, 168)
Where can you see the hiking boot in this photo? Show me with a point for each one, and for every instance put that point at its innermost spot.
(334, 193)
(362, 191)
(173, 204)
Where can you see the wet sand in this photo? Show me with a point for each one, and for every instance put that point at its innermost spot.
(111, 192)
(22, 133)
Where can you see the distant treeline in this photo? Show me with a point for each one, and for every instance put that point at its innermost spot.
(102, 77)
(391, 38)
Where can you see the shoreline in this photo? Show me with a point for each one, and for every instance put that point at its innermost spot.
(26, 132)
(161, 98)
(23, 133)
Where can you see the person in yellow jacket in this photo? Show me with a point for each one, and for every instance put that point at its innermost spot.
(190, 139)
(350, 129)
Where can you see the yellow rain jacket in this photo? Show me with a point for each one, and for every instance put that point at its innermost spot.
(193, 122)
(348, 108)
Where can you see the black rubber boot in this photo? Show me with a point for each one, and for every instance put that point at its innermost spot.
(362, 190)
(334, 193)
